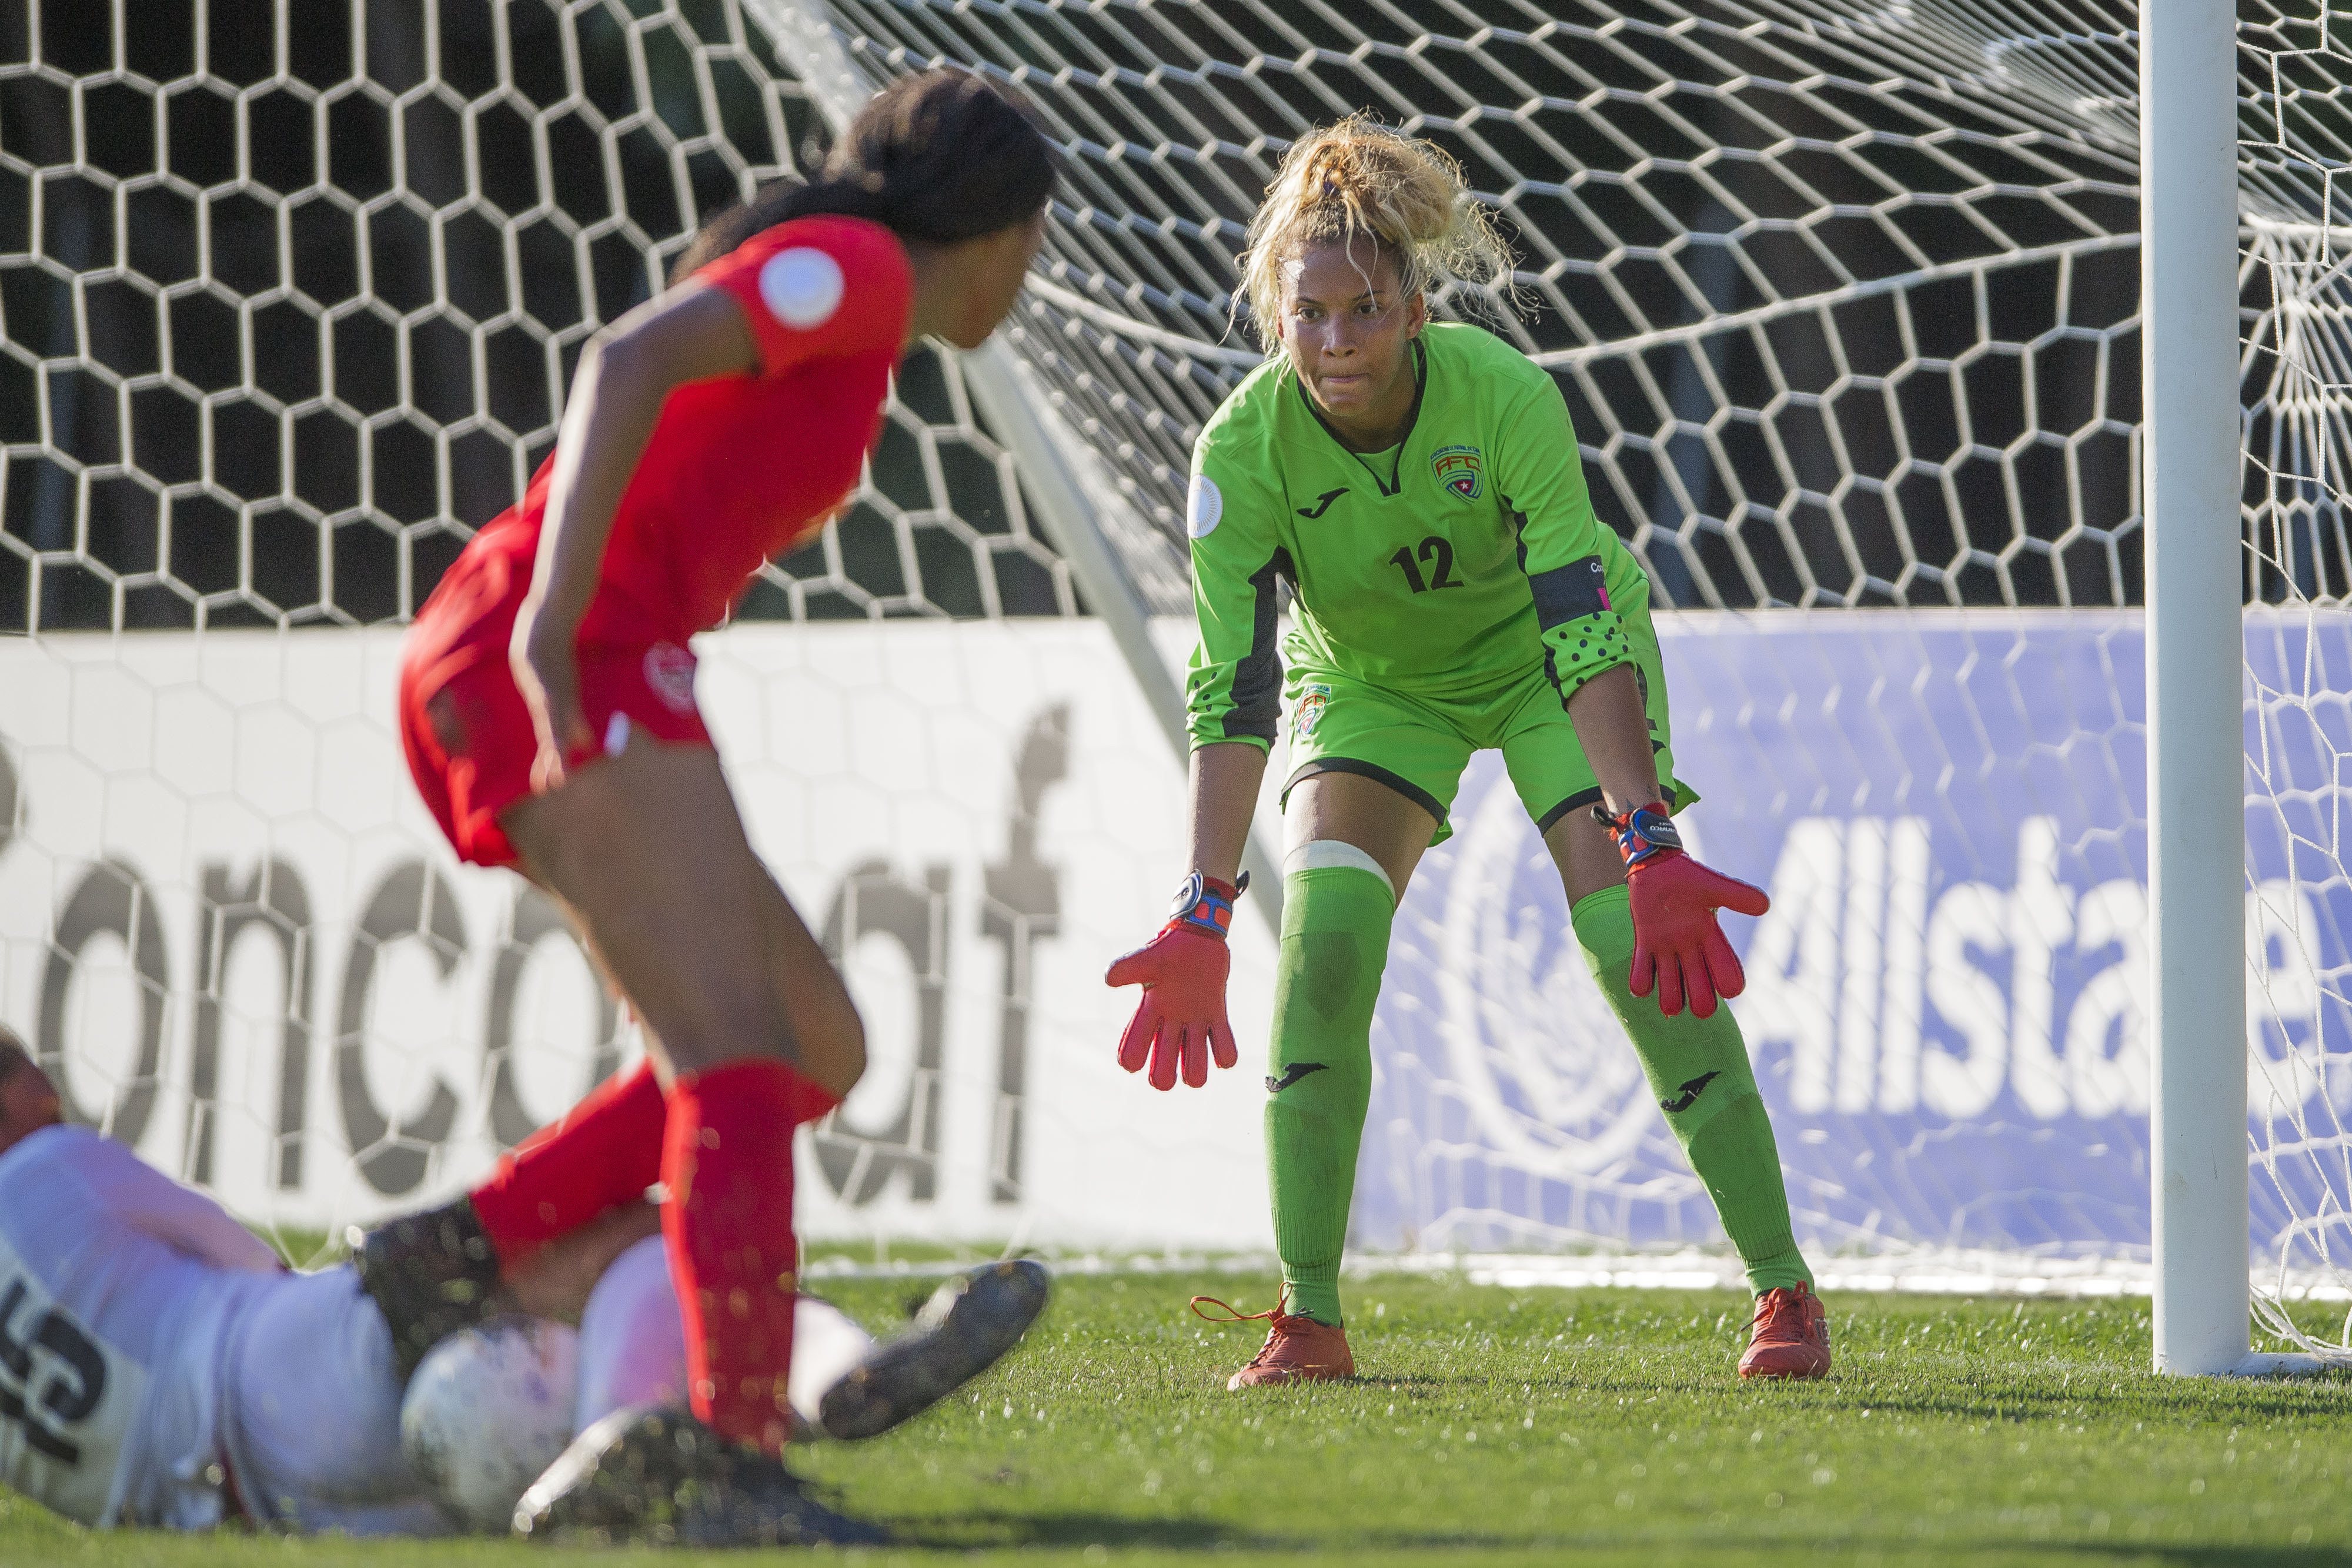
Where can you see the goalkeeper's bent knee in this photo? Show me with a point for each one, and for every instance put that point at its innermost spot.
(1337, 906)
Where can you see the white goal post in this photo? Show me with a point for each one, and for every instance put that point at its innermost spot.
(2197, 860)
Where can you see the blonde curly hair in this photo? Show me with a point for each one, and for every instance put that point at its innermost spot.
(1361, 177)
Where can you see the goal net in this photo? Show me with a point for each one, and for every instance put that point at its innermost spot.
(1843, 300)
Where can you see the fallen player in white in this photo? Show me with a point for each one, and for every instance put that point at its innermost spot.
(492, 1408)
(161, 1366)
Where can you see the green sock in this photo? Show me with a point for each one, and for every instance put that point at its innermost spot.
(1699, 1074)
(1336, 912)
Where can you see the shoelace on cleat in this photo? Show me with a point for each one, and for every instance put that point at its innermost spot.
(1232, 1316)
(1781, 1314)
(1272, 1317)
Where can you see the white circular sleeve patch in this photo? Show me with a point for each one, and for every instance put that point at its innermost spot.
(1203, 506)
(801, 286)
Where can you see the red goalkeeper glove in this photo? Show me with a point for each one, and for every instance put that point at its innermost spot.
(1676, 943)
(1181, 1017)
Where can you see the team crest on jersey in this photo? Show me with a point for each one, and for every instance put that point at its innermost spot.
(669, 671)
(1312, 701)
(1460, 469)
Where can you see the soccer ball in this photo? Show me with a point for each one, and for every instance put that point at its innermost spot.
(488, 1410)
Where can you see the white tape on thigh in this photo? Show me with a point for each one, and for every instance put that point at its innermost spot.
(1323, 854)
(616, 734)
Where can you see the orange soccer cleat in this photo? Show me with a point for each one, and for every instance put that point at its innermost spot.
(1790, 1337)
(1297, 1348)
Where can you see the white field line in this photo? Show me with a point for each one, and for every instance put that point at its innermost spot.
(1945, 1273)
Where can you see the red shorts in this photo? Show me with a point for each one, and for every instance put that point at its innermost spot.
(463, 721)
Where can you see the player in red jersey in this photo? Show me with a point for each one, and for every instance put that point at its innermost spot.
(548, 713)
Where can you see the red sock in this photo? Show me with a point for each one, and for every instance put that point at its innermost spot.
(604, 1152)
(728, 1164)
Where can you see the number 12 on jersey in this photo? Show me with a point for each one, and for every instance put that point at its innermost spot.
(1432, 547)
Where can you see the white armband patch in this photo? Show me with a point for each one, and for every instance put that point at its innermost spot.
(801, 286)
(1203, 506)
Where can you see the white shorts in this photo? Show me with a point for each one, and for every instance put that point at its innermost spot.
(633, 1343)
(312, 1417)
(316, 1436)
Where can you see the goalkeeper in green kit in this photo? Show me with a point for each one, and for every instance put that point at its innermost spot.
(1418, 484)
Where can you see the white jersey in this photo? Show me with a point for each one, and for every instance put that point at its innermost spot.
(117, 1288)
(159, 1364)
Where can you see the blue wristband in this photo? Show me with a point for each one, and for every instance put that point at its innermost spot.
(1205, 907)
(1640, 833)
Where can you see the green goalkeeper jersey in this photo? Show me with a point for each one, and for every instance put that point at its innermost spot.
(1455, 561)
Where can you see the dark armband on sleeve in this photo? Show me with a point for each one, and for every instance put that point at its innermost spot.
(1582, 634)
(1570, 592)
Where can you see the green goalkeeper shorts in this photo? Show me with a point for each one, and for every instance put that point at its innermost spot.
(1418, 745)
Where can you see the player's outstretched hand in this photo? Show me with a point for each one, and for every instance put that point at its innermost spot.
(1181, 1022)
(1678, 945)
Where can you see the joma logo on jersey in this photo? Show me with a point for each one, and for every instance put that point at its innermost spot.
(1461, 470)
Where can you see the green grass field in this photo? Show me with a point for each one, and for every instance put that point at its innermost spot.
(1525, 1426)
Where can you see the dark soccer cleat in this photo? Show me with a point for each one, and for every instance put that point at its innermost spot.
(652, 1476)
(432, 1274)
(962, 1331)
